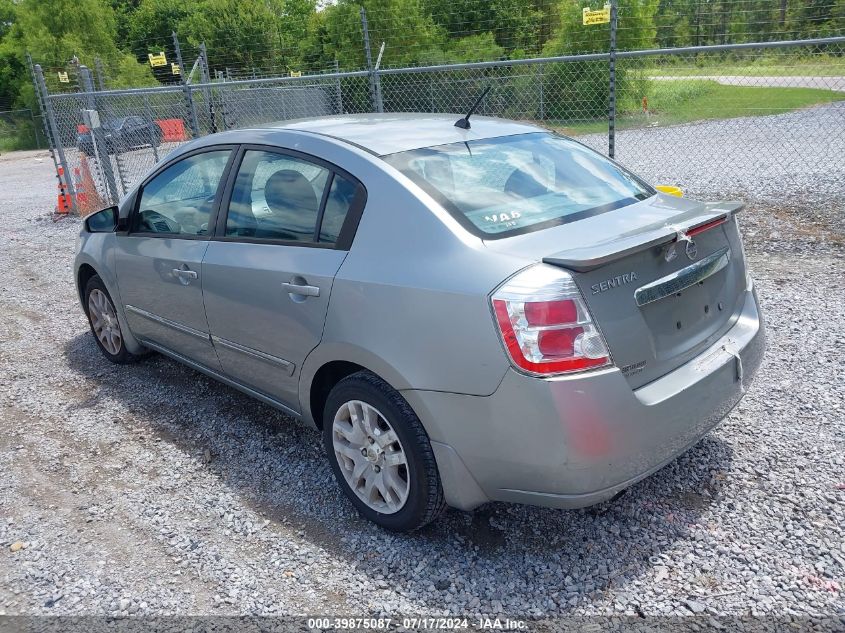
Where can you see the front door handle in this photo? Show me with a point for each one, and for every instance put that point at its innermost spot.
(301, 289)
(185, 276)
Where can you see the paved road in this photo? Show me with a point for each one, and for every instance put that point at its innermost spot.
(823, 83)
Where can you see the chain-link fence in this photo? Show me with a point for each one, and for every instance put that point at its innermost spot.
(716, 120)
(21, 129)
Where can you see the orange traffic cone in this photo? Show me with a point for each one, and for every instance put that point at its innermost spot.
(87, 195)
(64, 203)
(81, 196)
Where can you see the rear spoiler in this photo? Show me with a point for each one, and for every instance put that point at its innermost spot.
(595, 256)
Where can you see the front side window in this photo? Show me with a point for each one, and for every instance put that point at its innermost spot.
(179, 200)
(513, 184)
(279, 197)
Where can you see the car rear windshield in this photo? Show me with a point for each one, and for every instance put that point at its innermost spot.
(113, 124)
(514, 184)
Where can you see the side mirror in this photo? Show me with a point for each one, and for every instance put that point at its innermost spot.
(105, 221)
(672, 190)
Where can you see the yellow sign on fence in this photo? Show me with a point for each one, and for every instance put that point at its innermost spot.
(174, 69)
(601, 16)
(157, 60)
(296, 73)
(63, 78)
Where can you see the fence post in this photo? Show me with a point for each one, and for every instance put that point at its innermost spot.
(101, 149)
(374, 87)
(206, 80)
(56, 142)
(42, 109)
(189, 98)
(221, 91)
(431, 94)
(611, 106)
(101, 75)
(379, 97)
(150, 117)
(34, 129)
(338, 86)
(542, 92)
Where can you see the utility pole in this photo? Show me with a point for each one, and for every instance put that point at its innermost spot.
(101, 75)
(611, 106)
(186, 89)
(375, 88)
(101, 149)
(53, 135)
(206, 80)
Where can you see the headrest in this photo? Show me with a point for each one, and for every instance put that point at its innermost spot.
(289, 191)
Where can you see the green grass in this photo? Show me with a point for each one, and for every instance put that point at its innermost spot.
(12, 143)
(726, 102)
(774, 66)
(672, 103)
(14, 137)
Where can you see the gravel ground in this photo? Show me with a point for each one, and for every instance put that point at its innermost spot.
(150, 489)
(826, 82)
(789, 161)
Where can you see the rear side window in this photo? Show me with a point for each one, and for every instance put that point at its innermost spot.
(278, 197)
(179, 200)
(514, 184)
(339, 201)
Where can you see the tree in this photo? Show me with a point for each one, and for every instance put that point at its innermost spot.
(408, 31)
(60, 34)
(151, 24)
(406, 28)
(335, 34)
(238, 33)
(54, 31)
(578, 90)
(8, 59)
(123, 10)
(518, 26)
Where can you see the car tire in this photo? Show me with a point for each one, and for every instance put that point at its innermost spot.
(102, 317)
(387, 411)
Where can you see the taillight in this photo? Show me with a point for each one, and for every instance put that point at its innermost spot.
(545, 324)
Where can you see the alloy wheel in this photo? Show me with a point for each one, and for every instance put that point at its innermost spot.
(371, 457)
(104, 321)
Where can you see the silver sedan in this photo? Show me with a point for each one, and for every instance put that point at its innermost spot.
(474, 312)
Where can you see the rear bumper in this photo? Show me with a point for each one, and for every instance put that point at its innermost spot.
(570, 442)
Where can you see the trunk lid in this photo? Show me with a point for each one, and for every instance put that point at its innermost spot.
(655, 314)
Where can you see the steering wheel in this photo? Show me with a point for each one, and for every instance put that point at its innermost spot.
(155, 222)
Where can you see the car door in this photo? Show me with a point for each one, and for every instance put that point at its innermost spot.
(284, 229)
(158, 260)
(133, 132)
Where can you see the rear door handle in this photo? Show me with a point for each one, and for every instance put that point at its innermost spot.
(301, 289)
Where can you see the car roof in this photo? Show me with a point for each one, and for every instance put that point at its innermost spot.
(390, 133)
